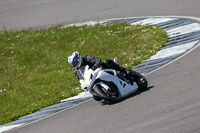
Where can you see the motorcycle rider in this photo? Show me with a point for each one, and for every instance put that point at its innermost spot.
(77, 61)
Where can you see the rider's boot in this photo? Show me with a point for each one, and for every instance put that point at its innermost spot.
(122, 69)
(113, 65)
(126, 71)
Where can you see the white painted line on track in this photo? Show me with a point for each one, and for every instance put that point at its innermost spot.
(80, 95)
(89, 23)
(6, 128)
(176, 50)
(193, 48)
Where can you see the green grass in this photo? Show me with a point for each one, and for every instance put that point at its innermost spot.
(34, 72)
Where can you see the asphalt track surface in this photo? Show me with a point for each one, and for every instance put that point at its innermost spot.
(172, 103)
(36, 13)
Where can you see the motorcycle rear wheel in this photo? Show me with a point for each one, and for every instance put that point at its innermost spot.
(141, 82)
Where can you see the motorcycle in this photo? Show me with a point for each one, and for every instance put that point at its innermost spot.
(109, 85)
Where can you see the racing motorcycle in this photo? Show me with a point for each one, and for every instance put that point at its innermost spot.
(108, 84)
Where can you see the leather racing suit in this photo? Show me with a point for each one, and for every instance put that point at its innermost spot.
(95, 62)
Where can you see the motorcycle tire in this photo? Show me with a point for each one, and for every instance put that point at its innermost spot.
(100, 93)
(141, 82)
(97, 98)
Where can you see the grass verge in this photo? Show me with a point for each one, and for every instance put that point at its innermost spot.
(34, 72)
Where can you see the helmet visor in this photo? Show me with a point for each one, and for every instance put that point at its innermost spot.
(74, 64)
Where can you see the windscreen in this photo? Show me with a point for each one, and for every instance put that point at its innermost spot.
(81, 72)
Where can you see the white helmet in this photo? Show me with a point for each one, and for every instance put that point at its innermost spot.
(75, 60)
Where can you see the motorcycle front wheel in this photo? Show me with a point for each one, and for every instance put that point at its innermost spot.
(99, 90)
(96, 98)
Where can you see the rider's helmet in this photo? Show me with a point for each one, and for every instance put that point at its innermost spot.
(75, 60)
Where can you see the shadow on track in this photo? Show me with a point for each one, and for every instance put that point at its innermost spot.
(128, 97)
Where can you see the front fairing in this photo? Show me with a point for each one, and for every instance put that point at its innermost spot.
(109, 75)
(85, 76)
